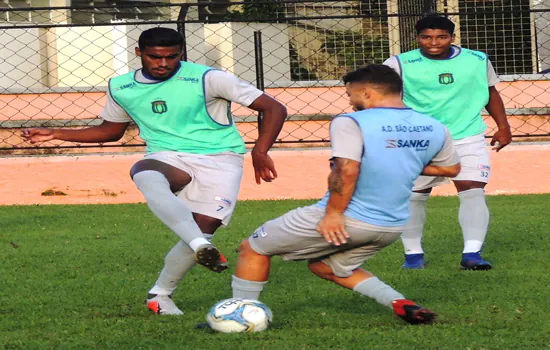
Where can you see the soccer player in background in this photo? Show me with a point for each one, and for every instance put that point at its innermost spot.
(191, 174)
(377, 153)
(453, 85)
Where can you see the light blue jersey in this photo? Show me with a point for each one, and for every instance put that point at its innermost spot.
(398, 143)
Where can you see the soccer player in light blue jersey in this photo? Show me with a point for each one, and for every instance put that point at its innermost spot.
(377, 154)
(453, 85)
(191, 174)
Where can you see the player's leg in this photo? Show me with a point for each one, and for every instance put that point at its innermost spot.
(158, 181)
(414, 229)
(412, 234)
(288, 236)
(473, 214)
(178, 262)
(251, 273)
(343, 269)
(358, 280)
(212, 196)
(182, 258)
(363, 282)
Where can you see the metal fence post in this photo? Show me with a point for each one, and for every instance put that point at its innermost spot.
(259, 62)
(181, 28)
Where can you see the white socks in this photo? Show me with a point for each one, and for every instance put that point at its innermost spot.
(412, 234)
(177, 263)
(168, 208)
(379, 291)
(473, 216)
(247, 289)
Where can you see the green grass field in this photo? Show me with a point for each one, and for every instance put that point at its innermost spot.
(77, 277)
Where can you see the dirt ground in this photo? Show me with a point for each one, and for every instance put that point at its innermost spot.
(94, 179)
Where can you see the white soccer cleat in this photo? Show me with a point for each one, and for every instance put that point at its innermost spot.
(162, 305)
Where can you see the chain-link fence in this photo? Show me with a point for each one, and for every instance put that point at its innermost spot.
(55, 62)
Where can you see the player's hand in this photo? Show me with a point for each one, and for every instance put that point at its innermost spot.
(264, 168)
(501, 139)
(36, 135)
(333, 228)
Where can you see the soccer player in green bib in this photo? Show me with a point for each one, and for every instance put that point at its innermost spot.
(453, 85)
(191, 174)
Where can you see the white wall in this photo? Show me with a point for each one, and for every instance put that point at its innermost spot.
(21, 63)
(84, 57)
(238, 54)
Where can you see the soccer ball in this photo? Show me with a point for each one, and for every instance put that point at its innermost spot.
(239, 315)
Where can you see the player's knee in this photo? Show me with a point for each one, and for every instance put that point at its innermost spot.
(150, 181)
(245, 248)
(138, 167)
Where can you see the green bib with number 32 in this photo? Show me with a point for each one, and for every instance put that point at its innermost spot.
(453, 91)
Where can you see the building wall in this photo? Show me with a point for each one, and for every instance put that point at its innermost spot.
(82, 57)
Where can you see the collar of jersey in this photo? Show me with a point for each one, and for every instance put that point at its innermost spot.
(153, 81)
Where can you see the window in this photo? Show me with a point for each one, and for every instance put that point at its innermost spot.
(24, 16)
(354, 34)
(142, 10)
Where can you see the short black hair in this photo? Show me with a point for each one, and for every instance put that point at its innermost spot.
(377, 74)
(159, 36)
(435, 22)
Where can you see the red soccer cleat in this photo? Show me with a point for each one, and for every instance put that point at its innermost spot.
(413, 313)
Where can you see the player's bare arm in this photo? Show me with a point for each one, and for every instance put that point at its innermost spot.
(438, 170)
(341, 184)
(105, 132)
(495, 107)
(274, 115)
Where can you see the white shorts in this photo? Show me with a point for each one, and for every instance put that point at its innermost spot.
(474, 161)
(215, 181)
(293, 236)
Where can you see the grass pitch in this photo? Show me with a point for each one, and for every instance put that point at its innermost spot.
(77, 277)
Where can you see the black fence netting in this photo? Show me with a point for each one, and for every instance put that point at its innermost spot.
(55, 62)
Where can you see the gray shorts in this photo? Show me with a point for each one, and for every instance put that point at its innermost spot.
(293, 236)
(215, 181)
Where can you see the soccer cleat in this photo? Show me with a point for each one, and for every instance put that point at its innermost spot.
(413, 313)
(162, 305)
(210, 257)
(414, 261)
(474, 261)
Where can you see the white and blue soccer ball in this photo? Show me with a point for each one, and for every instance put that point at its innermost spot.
(239, 315)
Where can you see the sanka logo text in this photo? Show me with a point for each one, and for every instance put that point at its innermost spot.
(419, 144)
(132, 84)
(416, 60)
(192, 80)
